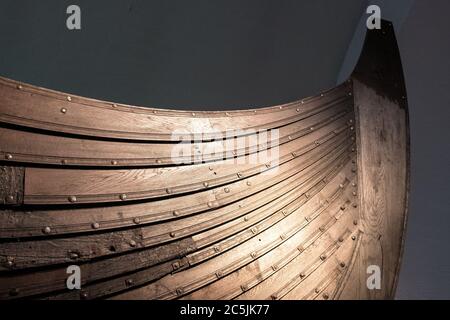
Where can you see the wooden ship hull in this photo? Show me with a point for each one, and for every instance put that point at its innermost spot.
(294, 201)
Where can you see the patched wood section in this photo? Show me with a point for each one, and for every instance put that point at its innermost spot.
(11, 185)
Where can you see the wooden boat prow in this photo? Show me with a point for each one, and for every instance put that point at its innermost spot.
(303, 200)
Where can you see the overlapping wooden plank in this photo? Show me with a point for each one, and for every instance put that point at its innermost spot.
(306, 224)
(323, 282)
(138, 278)
(91, 246)
(41, 281)
(302, 266)
(34, 107)
(84, 186)
(38, 147)
(205, 273)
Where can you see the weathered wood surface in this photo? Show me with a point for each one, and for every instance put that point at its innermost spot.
(297, 214)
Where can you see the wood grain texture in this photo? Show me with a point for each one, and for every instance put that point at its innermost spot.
(299, 214)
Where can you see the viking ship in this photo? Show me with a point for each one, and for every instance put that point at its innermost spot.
(303, 201)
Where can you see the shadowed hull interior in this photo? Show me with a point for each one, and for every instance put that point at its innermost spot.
(293, 201)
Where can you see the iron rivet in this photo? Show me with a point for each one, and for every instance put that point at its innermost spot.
(254, 230)
(205, 184)
(114, 162)
(294, 154)
(47, 230)
(353, 184)
(245, 218)
(284, 212)
(290, 137)
(341, 185)
(350, 121)
(210, 204)
(168, 190)
(172, 234)
(10, 199)
(342, 264)
(63, 110)
(132, 243)
(219, 274)
(8, 156)
(95, 225)
(326, 296)
(176, 265)
(353, 149)
(19, 87)
(158, 161)
(63, 161)
(239, 175)
(14, 292)
(302, 275)
(72, 199)
(321, 94)
(123, 196)
(349, 93)
(179, 291)
(282, 237)
(249, 183)
(254, 111)
(267, 165)
(355, 205)
(83, 295)
(274, 297)
(352, 128)
(244, 287)
(312, 128)
(317, 290)
(323, 257)
(300, 248)
(254, 255)
(226, 190)
(342, 207)
(193, 114)
(355, 222)
(341, 239)
(274, 267)
(217, 249)
(321, 229)
(73, 255)
(298, 109)
(280, 107)
(10, 262)
(354, 193)
(302, 102)
(353, 238)
(175, 213)
(317, 143)
(129, 282)
(227, 114)
(69, 98)
(210, 168)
